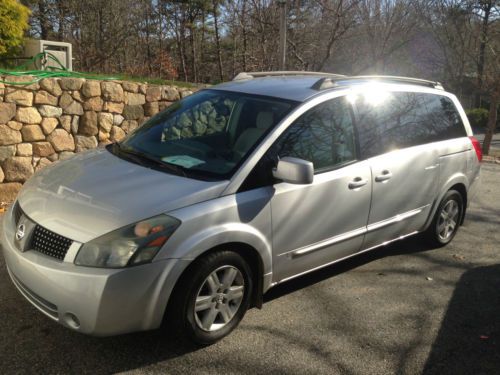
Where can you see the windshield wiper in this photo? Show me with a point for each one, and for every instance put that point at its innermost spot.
(148, 161)
(117, 149)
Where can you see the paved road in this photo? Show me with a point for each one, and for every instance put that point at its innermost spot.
(495, 142)
(404, 309)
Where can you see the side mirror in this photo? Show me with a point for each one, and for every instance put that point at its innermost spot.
(294, 171)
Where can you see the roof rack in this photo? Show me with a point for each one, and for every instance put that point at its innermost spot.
(250, 75)
(328, 82)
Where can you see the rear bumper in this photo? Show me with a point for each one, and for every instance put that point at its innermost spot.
(105, 302)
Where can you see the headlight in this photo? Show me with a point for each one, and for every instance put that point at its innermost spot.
(131, 245)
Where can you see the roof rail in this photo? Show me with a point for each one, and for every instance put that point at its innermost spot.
(327, 82)
(250, 75)
(410, 80)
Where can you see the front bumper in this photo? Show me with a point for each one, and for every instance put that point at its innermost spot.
(104, 302)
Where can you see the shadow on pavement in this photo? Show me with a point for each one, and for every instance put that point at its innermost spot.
(468, 341)
(32, 343)
(407, 246)
(63, 351)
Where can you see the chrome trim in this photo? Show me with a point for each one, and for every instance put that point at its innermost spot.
(431, 167)
(390, 241)
(330, 241)
(395, 219)
(72, 252)
(354, 233)
(344, 258)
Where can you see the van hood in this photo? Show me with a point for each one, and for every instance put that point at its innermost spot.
(96, 192)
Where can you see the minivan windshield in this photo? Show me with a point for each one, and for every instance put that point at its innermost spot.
(207, 135)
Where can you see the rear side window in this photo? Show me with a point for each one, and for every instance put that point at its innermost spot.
(389, 121)
(443, 118)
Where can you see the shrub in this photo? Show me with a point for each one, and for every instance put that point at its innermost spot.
(478, 117)
(13, 22)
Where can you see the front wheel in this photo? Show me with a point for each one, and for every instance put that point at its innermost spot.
(447, 219)
(211, 297)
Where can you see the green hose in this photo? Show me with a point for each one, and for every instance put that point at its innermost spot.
(50, 72)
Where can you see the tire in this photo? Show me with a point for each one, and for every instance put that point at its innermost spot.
(216, 281)
(446, 221)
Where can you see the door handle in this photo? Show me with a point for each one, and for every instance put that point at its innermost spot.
(386, 175)
(357, 183)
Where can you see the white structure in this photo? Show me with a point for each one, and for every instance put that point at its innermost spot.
(61, 50)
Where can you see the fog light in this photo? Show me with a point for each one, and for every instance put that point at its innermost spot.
(71, 320)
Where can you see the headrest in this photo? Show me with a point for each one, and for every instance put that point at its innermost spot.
(264, 120)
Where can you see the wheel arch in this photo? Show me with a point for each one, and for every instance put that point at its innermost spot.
(458, 182)
(254, 260)
(460, 187)
(251, 256)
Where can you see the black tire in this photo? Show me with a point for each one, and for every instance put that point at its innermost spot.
(435, 234)
(181, 316)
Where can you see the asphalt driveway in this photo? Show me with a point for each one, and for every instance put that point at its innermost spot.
(405, 309)
(495, 142)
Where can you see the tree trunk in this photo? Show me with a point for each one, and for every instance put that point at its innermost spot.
(244, 32)
(194, 62)
(45, 25)
(482, 48)
(149, 54)
(203, 43)
(180, 38)
(61, 12)
(217, 41)
(492, 122)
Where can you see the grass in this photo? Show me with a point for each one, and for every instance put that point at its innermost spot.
(154, 81)
(131, 78)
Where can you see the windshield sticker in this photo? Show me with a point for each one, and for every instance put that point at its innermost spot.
(183, 160)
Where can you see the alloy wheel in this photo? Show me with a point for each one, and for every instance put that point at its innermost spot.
(448, 220)
(219, 298)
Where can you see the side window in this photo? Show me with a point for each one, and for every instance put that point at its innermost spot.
(389, 120)
(443, 118)
(323, 135)
(393, 120)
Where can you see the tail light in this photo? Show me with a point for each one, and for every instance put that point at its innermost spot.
(477, 148)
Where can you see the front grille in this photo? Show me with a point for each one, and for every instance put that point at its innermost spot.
(49, 243)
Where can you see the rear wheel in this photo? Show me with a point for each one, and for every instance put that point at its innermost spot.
(447, 219)
(211, 297)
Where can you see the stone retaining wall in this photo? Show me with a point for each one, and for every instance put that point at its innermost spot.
(51, 120)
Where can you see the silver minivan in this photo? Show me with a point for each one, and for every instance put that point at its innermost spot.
(233, 190)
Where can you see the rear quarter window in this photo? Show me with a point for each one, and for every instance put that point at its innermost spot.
(444, 121)
(398, 120)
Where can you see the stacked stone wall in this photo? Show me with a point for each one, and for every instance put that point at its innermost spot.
(48, 121)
